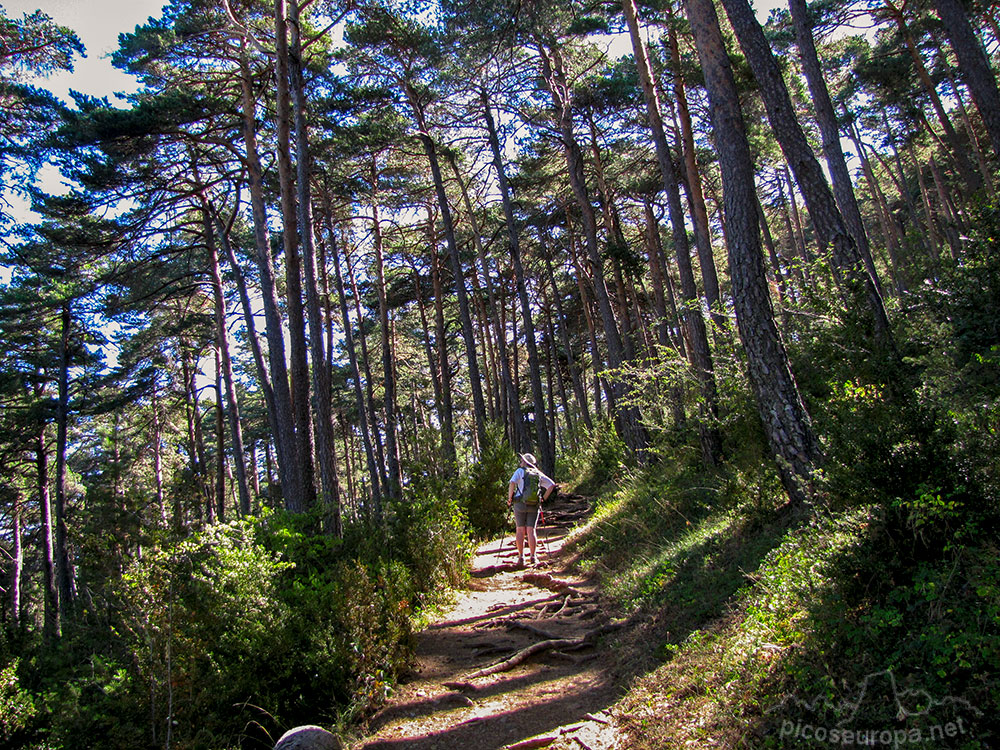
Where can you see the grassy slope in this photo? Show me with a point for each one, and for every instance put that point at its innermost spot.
(739, 607)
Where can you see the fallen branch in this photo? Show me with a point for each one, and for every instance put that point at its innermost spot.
(546, 581)
(564, 644)
(460, 685)
(563, 607)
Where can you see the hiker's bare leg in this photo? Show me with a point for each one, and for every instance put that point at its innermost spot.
(519, 541)
(531, 540)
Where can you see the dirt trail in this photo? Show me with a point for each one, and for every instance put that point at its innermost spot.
(555, 698)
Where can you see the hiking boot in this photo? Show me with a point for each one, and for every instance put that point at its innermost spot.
(533, 561)
(520, 562)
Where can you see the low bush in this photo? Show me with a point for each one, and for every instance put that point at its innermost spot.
(484, 485)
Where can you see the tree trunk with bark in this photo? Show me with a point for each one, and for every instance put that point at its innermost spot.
(298, 358)
(554, 75)
(441, 340)
(786, 422)
(51, 624)
(222, 338)
(510, 397)
(862, 291)
(547, 458)
(700, 353)
(359, 398)
(284, 435)
(395, 476)
(465, 316)
(322, 411)
(64, 582)
(974, 66)
(826, 119)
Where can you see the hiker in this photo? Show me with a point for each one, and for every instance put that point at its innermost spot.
(528, 489)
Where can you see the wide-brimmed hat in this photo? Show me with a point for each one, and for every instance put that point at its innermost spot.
(529, 459)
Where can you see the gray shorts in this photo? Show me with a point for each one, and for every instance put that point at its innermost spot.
(525, 515)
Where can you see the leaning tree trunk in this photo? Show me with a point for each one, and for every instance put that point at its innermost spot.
(365, 363)
(374, 471)
(974, 66)
(468, 334)
(263, 376)
(554, 75)
(510, 395)
(863, 294)
(958, 152)
(222, 337)
(843, 189)
(786, 422)
(701, 356)
(547, 457)
(579, 389)
(699, 211)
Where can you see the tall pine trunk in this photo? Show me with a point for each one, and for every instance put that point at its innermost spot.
(510, 396)
(284, 437)
(974, 66)
(786, 422)
(64, 582)
(359, 399)
(554, 75)
(222, 338)
(51, 624)
(395, 477)
(694, 323)
(298, 358)
(843, 189)
(862, 291)
(322, 410)
(547, 457)
(465, 316)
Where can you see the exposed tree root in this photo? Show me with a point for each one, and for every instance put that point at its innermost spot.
(563, 644)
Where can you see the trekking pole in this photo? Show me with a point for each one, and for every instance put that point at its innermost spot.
(539, 518)
(503, 538)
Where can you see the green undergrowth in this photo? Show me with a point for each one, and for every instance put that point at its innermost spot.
(757, 627)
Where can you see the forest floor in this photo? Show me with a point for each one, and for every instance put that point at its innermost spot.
(541, 631)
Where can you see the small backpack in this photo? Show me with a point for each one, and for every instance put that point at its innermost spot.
(530, 494)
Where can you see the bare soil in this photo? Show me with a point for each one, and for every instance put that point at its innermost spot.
(554, 696)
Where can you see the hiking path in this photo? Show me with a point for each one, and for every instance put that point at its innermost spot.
(519, 660)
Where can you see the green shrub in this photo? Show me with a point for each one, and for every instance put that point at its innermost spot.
(429, 535)
(17, 706)
(484, 485)
(600, 460)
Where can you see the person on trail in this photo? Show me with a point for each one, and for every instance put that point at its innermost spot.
(528, 489)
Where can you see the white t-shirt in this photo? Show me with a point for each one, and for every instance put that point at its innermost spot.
(518, 481)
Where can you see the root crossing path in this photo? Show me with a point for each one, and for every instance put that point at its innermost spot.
(518, 662)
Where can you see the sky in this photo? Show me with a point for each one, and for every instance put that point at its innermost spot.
(98, 24)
